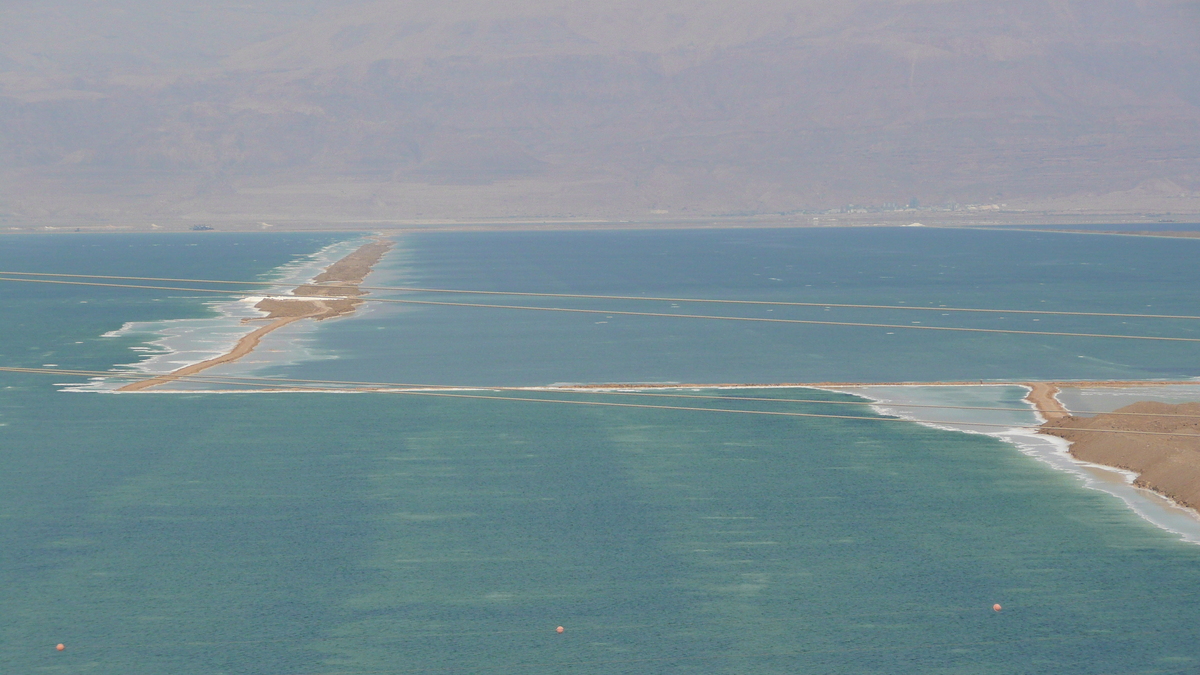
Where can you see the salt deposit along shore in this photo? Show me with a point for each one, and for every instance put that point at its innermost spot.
(335, 292)
(1168, 464)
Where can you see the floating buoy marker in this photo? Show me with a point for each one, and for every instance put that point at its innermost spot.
(60, 646)
(997, 607)
(559, 629)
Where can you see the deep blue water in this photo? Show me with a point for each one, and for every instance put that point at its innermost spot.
(376, 533)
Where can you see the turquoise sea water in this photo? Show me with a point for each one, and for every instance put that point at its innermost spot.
(891, 266)
(378, 533)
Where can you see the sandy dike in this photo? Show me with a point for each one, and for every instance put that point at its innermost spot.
(332, 293)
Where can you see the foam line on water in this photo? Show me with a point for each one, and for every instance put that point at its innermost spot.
(1049, 450)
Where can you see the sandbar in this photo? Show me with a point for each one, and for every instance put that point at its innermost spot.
(1042, 396)
(332, 293)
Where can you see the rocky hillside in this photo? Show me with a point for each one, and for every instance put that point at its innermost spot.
(466, 108)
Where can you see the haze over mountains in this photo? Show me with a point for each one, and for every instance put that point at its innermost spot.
(401, 110)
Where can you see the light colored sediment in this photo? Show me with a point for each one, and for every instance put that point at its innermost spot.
(354, 268)
(333, 293)
(1168, 465)
(243, 347)
(339, 282)
(1043, 397)
(286, 308)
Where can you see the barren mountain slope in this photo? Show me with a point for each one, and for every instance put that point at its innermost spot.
(407, 109)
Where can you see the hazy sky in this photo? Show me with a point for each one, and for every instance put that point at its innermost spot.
(135, 108)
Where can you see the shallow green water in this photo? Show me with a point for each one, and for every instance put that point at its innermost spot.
(371, 533)
(374, 533)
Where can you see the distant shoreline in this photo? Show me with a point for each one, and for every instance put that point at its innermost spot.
(1039, 221)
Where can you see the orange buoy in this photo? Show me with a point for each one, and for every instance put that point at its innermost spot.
(60, 646)
(996, 607)
(559, 629)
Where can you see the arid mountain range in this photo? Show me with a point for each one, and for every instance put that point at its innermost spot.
(134, 111)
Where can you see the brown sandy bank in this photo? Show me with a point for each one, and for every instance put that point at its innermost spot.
(339, 282)
(333, 293)
(243, 347)
(1042, 396)
(1169, 465)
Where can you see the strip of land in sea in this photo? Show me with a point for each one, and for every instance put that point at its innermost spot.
(1167, 465)
(335, 292)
